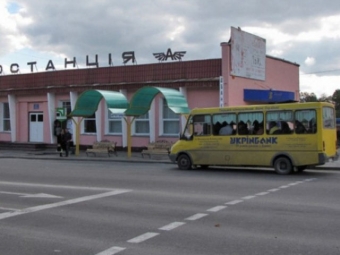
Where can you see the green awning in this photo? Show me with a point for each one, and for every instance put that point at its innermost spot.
(88, 101)
(142, 99)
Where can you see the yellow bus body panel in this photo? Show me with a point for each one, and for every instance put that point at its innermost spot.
(251, 150)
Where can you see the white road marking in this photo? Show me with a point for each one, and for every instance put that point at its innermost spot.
(38, 195)
(283, 187)
(62, 203)
(40, 185)
(8, 209)
(311, 179)
(115, 249)
(234, 202)
(172, 226)
(273, 190)
(143, 237)
(217, 208)
(111, 251)
(197, 216)
(262, 194)
(248, 197)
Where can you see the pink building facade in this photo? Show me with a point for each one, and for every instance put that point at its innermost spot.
(28, 102)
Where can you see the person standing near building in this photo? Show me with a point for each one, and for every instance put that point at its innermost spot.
(60, 136)
(69, 126)
(67, 138)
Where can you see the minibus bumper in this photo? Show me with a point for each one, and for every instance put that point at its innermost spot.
(323, 159)
(173, 157)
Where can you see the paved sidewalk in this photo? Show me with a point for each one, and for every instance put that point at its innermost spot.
(54, 155)
(121, 156)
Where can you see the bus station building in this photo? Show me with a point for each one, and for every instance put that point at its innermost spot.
(29, 103)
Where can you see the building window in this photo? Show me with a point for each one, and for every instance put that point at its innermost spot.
(5, 118)
(170, 120)
(68, 123)
(114, 123)
(67, 105)
(142, 126)
(89, 125)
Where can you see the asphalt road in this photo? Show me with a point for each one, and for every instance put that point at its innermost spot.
(105, 208)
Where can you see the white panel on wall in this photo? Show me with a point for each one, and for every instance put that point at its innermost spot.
(248, 55)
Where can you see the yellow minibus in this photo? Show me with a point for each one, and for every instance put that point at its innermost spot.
(288, 137)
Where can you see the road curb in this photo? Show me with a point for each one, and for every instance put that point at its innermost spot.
(46, 156)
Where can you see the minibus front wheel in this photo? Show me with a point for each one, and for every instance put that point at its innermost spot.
(283, 165)
(184, 162)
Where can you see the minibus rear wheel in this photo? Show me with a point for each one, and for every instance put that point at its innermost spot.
(282, 165)
(184, 162)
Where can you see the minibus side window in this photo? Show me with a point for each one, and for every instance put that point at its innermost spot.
(328, 117)
(250, 123)
(279, 122)
(305, 122)
(189, 130)
(202, 125)
(224, 124)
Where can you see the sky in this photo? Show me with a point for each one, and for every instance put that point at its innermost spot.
(306, 32)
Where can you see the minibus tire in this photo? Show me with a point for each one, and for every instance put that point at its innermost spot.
(282, 165)
(184, 162)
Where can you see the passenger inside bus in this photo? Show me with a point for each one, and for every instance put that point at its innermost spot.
(206, 129)
(258, 128)
(242, 128)
(233, 125)
(273, 128)
(217, 127)
(299, 127)
(285, 128)
(226, 129)
(312, 126)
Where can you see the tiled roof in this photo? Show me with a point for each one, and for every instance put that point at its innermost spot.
(171, 74)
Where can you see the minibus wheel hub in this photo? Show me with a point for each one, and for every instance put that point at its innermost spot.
(283, 165)
(184, 162)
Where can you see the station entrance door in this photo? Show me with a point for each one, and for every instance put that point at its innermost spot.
(36, 127)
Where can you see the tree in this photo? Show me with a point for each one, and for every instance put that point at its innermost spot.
(336, 100)
(325, 98)
(308, 97)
